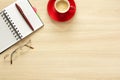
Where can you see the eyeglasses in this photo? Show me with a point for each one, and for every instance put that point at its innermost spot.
(19, 51)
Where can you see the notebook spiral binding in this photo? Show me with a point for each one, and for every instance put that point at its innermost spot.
(14, 30)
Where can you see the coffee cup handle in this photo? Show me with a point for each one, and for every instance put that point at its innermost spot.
(72, 7)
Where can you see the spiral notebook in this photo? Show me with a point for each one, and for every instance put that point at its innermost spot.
(13, 27)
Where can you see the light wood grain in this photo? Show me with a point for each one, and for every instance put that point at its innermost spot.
(85, 48)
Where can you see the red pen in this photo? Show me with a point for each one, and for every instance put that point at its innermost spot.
(23, 15)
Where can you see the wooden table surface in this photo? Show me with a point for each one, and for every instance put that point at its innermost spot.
(85, 48)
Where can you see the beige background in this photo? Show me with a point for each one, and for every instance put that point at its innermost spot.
(84, 48)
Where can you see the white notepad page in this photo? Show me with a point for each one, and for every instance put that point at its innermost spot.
(19, 20)
(6, 37)
(21, 25)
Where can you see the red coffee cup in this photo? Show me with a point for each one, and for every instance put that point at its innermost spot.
(61, 10)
